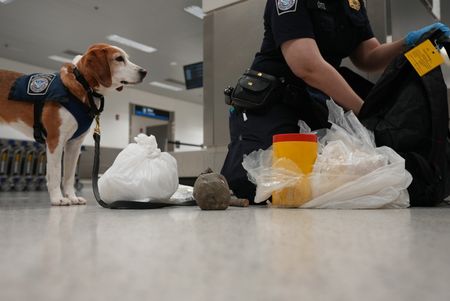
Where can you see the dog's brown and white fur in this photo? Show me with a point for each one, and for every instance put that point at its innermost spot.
(105, 68)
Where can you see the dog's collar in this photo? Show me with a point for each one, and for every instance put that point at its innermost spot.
(93, 109)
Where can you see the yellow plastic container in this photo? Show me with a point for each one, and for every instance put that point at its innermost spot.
(300, 149)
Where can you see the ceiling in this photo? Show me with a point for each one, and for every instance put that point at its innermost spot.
(32, 30)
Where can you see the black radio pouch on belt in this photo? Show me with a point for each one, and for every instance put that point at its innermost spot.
(254, 90)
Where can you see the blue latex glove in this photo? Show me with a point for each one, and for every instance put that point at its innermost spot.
(412, 37)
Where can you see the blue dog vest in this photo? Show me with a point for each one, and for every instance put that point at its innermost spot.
(40, 87)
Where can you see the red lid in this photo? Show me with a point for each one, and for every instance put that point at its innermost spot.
(294, 137)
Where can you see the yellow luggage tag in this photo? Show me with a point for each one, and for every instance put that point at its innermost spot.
(424, 58)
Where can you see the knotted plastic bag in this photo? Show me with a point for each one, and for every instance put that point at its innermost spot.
(141, 172)
(350, 171)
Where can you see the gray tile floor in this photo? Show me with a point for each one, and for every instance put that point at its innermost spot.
(89, 253)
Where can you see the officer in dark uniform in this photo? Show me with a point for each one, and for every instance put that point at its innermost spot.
(304, 43)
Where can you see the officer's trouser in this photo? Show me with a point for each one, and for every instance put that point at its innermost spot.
(251, 131)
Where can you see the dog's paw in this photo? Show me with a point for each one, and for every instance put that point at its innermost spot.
(61, 202)
(78, 201)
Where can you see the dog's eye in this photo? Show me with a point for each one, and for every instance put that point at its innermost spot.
(120, 59)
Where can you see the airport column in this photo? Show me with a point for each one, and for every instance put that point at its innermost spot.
(232, 32)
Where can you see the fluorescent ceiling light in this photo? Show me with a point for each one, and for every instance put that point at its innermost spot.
(5, 1)
(59, 58)
(131, 43)
(195, 10)
(165, 86)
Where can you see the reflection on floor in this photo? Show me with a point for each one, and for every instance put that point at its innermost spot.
(89, 253)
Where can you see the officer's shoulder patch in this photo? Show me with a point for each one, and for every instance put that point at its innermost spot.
(39, 83)
(286, 6)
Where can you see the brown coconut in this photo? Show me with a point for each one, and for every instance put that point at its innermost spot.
(211, 192)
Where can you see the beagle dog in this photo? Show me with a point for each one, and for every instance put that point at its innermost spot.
(102, 68)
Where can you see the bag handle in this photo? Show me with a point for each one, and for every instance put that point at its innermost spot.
(446, 45)
(440, 39)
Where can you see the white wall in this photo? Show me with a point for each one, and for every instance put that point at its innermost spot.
(139, 123)
(188, 116)
(437, 8)
(209, 5)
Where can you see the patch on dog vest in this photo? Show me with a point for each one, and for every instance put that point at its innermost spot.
(286, 6)
(40, 87)
(39, 83)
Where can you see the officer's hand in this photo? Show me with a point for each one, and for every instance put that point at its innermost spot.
(412, 37)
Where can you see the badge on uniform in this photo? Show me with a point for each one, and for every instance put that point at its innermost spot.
(286, 6)
(321, 5)
(39, 83)
(355, 4)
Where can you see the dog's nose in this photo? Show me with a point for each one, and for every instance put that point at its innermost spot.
(142, 73)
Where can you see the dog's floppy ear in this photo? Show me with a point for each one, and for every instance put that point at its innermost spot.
(96, 64)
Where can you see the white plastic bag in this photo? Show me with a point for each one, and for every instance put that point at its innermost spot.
(141, 172)
(267, 178)
(183, 195)
(350, 171)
